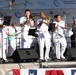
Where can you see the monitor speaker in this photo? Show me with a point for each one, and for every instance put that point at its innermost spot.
(20, 55)
(73, 52)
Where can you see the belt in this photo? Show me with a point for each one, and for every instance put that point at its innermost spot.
(60, 35)
(43, 31)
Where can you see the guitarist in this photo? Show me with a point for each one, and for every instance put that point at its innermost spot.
(11, 39)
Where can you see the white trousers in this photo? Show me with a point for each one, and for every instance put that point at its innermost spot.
(60, 46)
(11, 47)
(27, 41)
(0, 45)
(44, 39)
(4, 44)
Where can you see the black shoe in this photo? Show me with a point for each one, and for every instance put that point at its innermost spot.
(63, 59)
(57, 60)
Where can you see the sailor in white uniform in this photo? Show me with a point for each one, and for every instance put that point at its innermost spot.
(59, 37)
(2, 34)
(11, 36)
(26, 23)
(44, 37)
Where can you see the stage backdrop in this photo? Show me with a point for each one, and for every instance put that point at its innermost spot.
(67, 8)
(39, 4)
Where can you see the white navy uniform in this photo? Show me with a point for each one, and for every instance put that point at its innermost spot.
(2, 47)
(26, 39)
(1, 43)
(59, 39)
(11, 41)
(1, 22)
(44, 39)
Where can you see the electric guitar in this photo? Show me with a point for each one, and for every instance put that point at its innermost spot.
(11, 36)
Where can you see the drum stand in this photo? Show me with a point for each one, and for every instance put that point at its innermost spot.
(18, 43)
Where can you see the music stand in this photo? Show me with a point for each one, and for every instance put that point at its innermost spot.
(32, 32)
(52, 29)
(7, 20)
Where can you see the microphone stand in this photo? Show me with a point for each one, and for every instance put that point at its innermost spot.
(16, 37)
(17, 47)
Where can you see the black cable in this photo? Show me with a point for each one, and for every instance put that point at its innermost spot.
(19, 65)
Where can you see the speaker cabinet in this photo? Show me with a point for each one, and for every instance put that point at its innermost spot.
(73, 51)
(24, 54)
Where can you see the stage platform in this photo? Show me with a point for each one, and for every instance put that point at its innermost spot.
(6, 67)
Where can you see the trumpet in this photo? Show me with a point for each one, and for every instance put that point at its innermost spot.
(47, 18)
(31, 17)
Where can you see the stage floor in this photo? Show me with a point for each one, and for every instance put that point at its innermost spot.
(5, 67)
